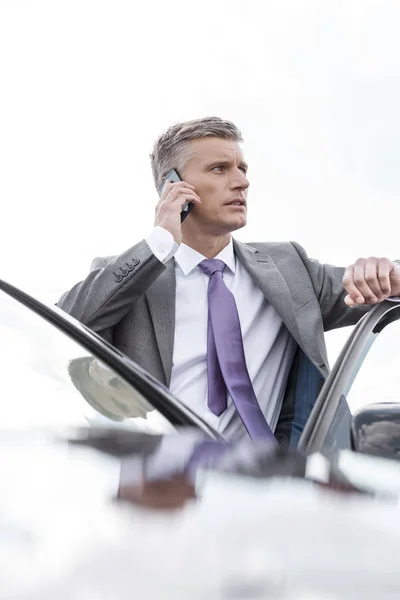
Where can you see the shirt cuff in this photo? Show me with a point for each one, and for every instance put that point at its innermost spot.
(394, 298)
(162, 244)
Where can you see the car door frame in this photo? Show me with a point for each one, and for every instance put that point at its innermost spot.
(332, 396)
(158, 395)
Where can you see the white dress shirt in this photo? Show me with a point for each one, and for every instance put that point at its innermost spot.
(268, 346)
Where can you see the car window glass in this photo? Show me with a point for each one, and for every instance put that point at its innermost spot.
(378, 378)
(49, 380)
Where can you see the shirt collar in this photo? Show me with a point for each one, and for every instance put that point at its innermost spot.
(187, 258)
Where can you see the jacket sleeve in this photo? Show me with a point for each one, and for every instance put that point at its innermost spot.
(327, 282)
(107, 293)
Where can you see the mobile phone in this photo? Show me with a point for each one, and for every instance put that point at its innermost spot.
(174, 176)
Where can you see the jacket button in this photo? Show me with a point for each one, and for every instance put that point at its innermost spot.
(135, 261)
(124, 272)
(118, 278)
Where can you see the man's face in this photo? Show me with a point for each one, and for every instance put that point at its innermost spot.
(218, 171)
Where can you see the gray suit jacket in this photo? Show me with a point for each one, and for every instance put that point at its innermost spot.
(130, 301)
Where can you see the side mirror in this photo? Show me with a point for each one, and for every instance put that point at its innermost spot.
(375, 429)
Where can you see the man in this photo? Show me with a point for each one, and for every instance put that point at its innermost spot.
(239, 339)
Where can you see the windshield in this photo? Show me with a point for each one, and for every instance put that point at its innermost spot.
(49, 380)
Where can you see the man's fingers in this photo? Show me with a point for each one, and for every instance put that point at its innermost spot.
(385, 266)
(180, 200)
(178, 191)
(169, 207)
(372, 278)
(361, 282)
(170, 185)
(180, 194)
(394, 279)
(349, 301)
(348, 283)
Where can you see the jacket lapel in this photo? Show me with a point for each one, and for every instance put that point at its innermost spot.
(161, 299)
(271, 282)
(275, 288)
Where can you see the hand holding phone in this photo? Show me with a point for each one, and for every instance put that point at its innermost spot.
(177, 198)
(174, 178)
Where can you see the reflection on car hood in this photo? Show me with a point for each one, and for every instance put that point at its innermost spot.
(233, 532)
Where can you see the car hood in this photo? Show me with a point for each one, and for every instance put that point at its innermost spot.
(94, 515)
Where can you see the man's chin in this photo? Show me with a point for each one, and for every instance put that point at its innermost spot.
(237, 223)
(224, 226)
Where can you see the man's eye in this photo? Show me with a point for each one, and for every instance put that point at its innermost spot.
(220, 167)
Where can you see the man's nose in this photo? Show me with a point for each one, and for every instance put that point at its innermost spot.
(240, 180)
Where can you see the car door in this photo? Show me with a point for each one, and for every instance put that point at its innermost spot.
(55, 372)
(367, 371)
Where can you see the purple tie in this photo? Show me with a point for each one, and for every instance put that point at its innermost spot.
(226, 363)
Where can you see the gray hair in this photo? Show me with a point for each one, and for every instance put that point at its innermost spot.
(171, 150)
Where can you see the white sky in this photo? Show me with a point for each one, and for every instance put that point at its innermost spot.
(86, 87)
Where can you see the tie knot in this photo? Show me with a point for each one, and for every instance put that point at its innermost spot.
(211, 266)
